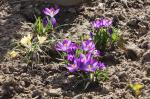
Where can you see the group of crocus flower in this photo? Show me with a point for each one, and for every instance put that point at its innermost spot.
(104, 33)
(83, 57)
(98, 23)
(80, 57)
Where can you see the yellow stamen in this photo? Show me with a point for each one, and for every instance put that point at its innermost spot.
(89, 67)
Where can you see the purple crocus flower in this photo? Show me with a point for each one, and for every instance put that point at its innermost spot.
(73, 67)
(53, 20)
(86, 63)
(101, 23)
(101, 65)
(63, 46)
(51, 12)
(84, 58)
(45, 21)
(110, 30)
(96, 53)
(88, 45)
(95, 24)
(66, 46)
(70, 58)
(90, 66)
(72, 48)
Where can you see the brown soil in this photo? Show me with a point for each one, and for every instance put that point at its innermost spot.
(132, 17)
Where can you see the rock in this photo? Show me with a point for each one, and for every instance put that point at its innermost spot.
(124, 2)
(89, 97)
(101, 5)
(6, 71)
(147, 2)
(2, 79)
(133, 52)
(143, 28)
(129, 96)
(146, 81)
(145, 45)
(36, 94)
(146, 57)
(115, 21)
(115, 79)
(133, 23)
(148, 71)
(79, 96)
(123, 77)
(55, 92)
(105, 89)
(26, 82)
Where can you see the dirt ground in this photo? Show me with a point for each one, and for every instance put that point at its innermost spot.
(132, 17)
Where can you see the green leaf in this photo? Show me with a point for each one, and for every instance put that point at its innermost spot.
(114, 37)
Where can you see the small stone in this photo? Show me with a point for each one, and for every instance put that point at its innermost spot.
(6, 71)
(146, 81)
(55, 92)
(143, 28)
(22, 83)
(2, 78)
(123, 77)
(79, 96)
(105, 89)
(124, 2)
(148, 71)
(133, 52)
(89, 97)
(36, 94)
(115, 79)
(133, 23)
(146, 57)
(145, 45)
(147, 2)
(101, 5)
(26, 82)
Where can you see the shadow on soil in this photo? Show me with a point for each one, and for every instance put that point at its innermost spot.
(10, 24)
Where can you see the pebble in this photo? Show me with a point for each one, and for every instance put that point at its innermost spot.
(143, 28)
(55, 92)
(36, 94)
(146, 57)
(133, 52)
(145, 45)
(79, 96)
(148, 71)
(123, 77)
(146, 81)
(105, 89)
(133, 23)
